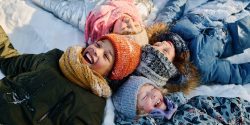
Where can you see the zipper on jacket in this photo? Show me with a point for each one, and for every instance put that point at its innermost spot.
(43, 117)
(58, 107)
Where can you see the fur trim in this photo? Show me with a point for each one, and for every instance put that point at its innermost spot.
(193, 78)
(154, 30)
(181, 62)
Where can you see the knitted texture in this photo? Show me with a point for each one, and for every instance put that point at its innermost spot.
(127, 55)
(72, 66)
(125, 99)
(179, 44)
(102, 18)
(155, 66)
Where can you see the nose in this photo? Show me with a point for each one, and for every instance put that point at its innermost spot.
(98, 51)
(152, 95)
(130, 23)
(92, 51)
(164, 42)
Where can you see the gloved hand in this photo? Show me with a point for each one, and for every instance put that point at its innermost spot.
(6, 48)
(171, 108)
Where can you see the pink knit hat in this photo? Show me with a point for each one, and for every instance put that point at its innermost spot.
(102, 18)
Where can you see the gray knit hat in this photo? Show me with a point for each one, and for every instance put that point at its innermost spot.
(125, 99)
(155, 66)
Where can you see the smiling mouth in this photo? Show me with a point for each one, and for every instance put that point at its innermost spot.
(158, 103)
(88, 58)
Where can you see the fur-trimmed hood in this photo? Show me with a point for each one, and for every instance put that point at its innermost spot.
(188, 77)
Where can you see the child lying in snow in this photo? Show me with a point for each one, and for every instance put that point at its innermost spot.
(119, 17)
(208, 53)
(57, 87)
(140, 101)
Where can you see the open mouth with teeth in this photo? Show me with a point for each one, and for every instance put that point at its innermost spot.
(158, 103)
(88, 58)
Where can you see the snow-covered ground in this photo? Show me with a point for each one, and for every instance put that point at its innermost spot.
(34, 30)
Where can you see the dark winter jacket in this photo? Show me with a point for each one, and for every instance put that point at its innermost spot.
(35, 91)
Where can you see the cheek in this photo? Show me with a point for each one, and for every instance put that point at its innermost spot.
(117, 27)
(139, 29)
(102, 66)
(158, 94)
(148, 107)
(172, 54)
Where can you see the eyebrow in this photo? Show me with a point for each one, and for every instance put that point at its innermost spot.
(101, 41)
(123, 28)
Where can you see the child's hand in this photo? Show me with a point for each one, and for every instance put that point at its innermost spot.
(171, 108)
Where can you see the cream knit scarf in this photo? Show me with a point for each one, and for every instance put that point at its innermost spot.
(73, 67)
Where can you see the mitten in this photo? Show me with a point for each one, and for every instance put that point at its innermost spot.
(168, 113)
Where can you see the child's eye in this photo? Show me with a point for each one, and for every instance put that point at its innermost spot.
(124, 28)
(124, 18)
(106, 56)
(154, 89)
(98, 45)
(145, 97)
(126, 33)
(165, 50)
(157, 44)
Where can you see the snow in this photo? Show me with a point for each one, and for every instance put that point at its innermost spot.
(33, 30)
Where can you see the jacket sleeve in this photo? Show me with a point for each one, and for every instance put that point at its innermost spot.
(210, 44)
(11, 62)
(171, 12)
(178, 98)
(22, 63)
(206, 53)
(143, 120)
(240, 32)
(73, 12)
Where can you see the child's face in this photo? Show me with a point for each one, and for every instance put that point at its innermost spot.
(149, 97)
(167, 48)
(100, 57)
(125, 25)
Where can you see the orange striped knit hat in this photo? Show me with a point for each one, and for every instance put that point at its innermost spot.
(127, 55)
